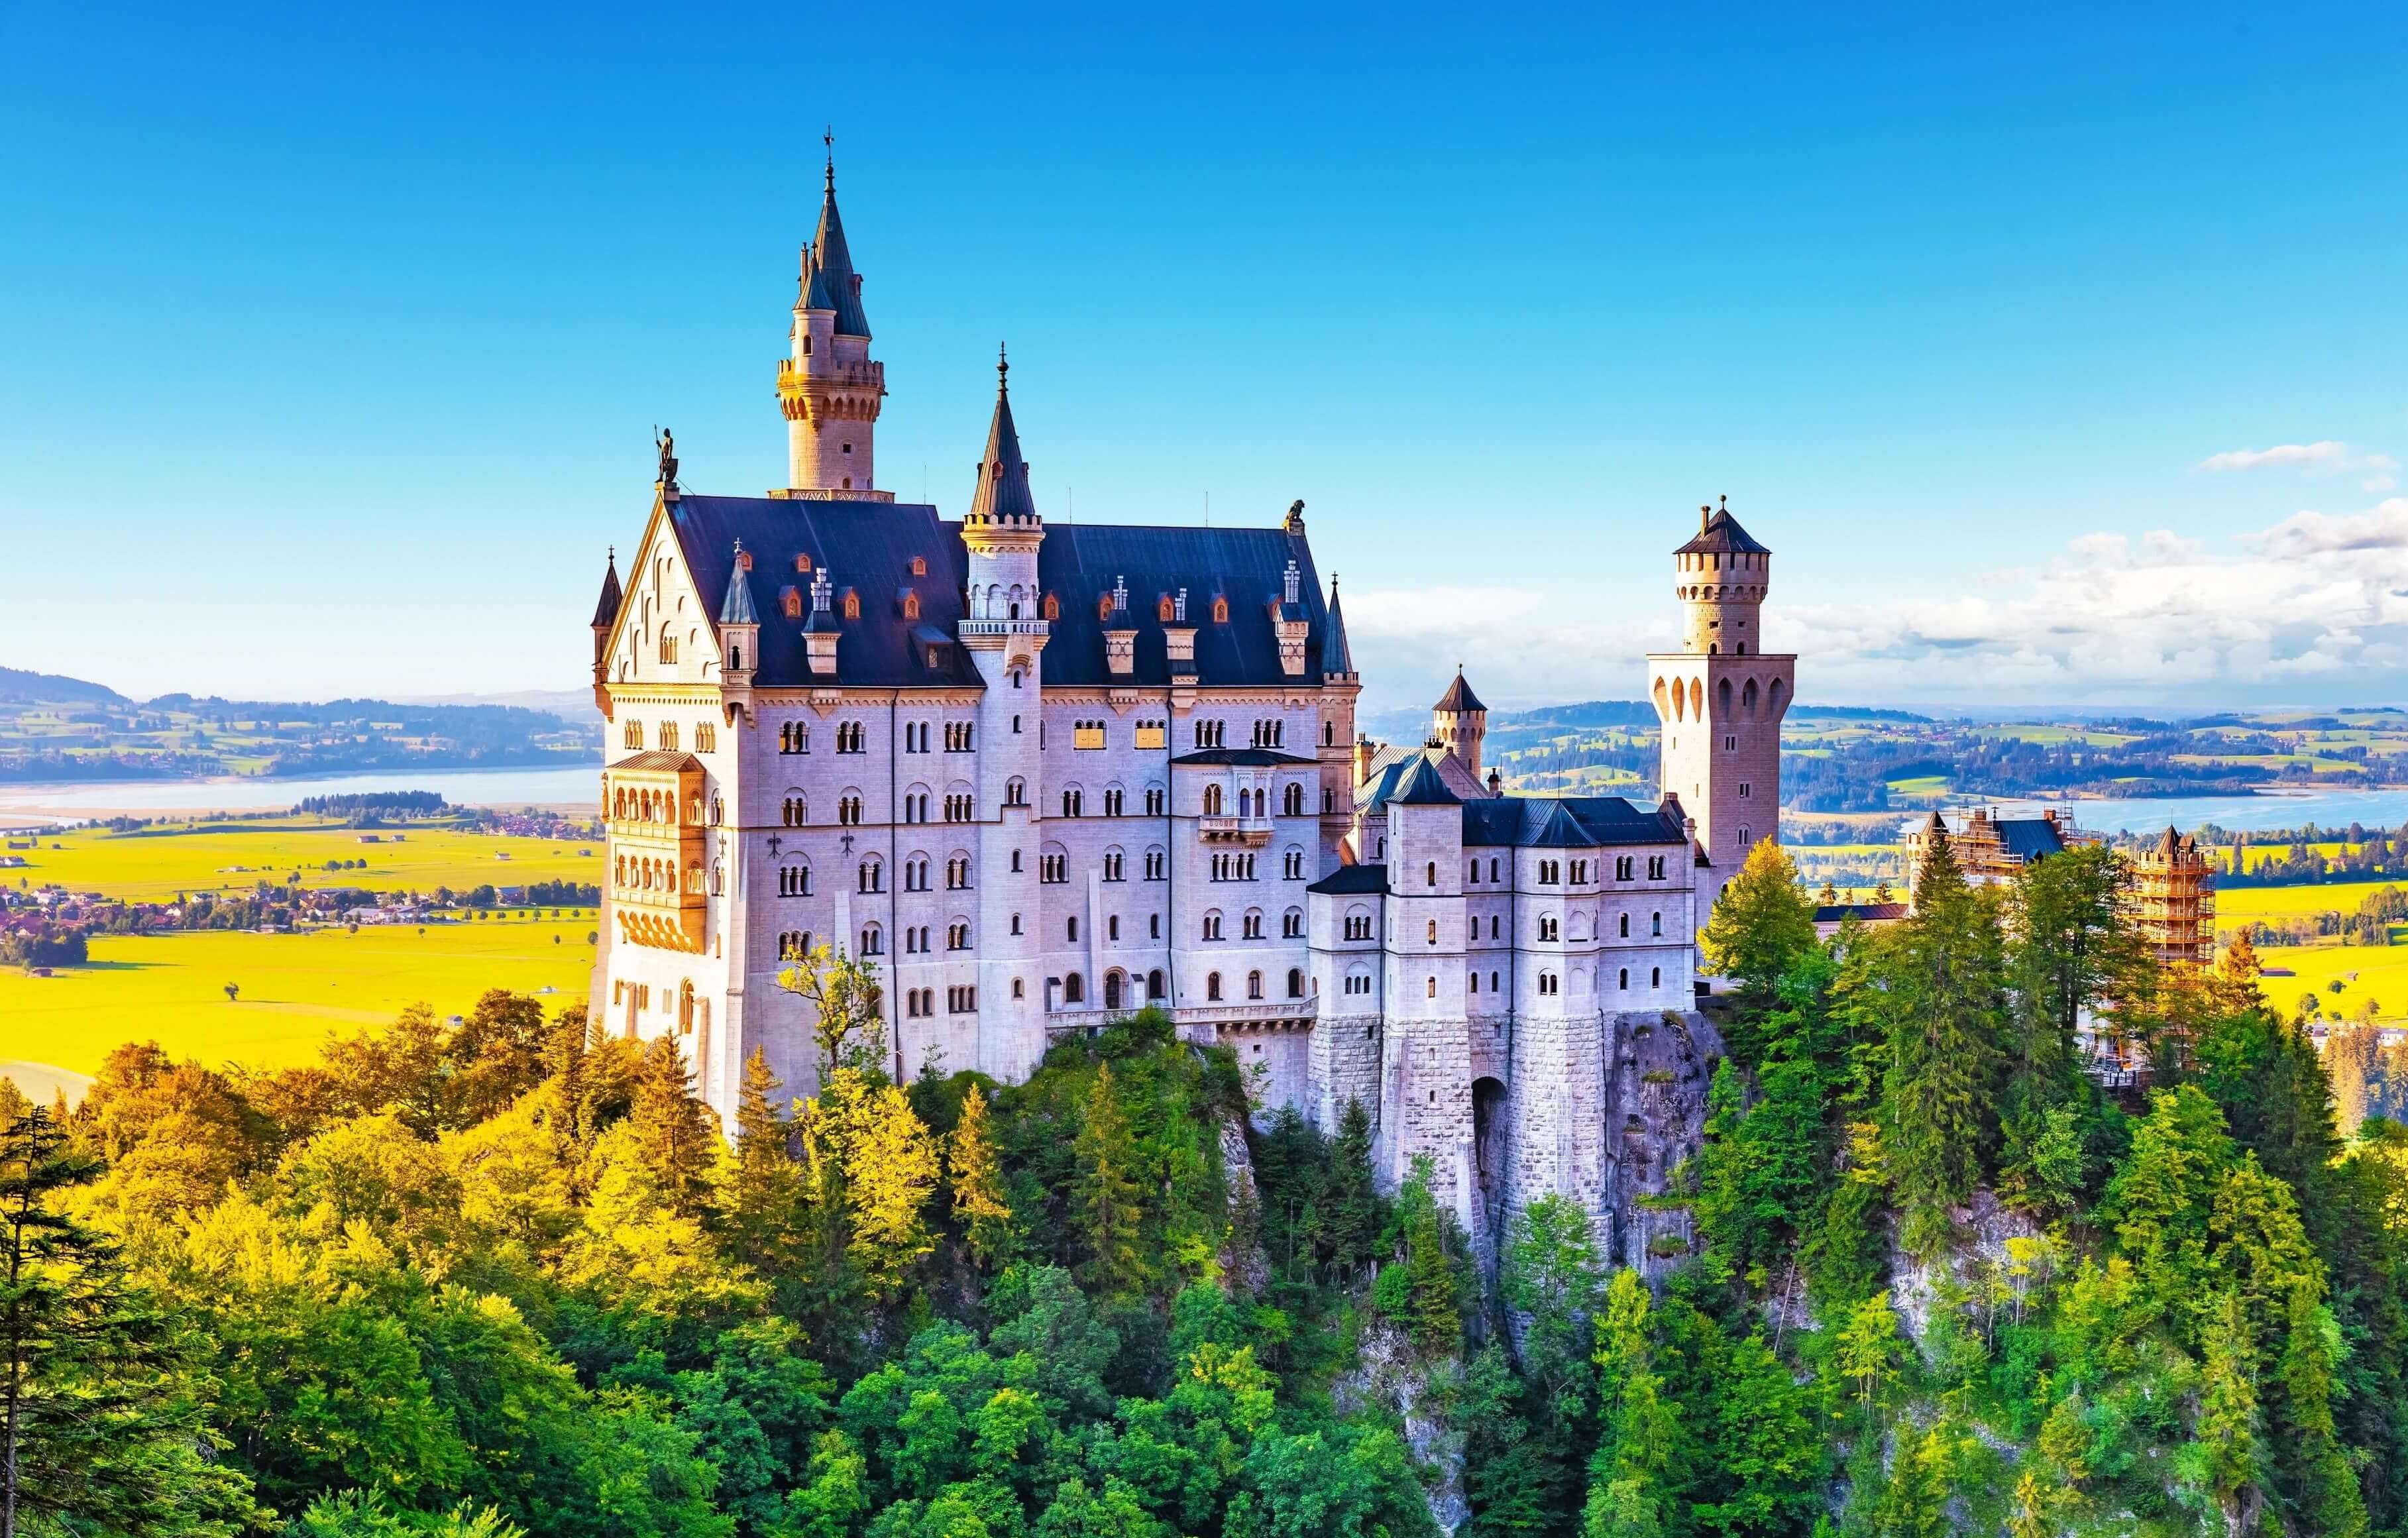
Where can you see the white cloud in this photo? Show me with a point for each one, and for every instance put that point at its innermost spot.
(2327, 453)
(2314, 608)
(2326, 456)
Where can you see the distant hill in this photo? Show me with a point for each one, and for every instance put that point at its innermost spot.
(19, 687)
(567, 704)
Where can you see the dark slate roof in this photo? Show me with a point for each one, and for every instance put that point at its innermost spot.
(736, 607)
(1336, 657)
(1719, 534)
(1002, 490)
(2029, 838)
(1871, 912)
(833, 260)
(606, 612)
(1422, 786)
(1239, 757)
(1459, 697)
(1350, 881)
(1079, 562)
(1558, 822)
(866, 546)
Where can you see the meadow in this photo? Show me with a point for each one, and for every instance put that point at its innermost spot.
(157, 864)
(294, 988)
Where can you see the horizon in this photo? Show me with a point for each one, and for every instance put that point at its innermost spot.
(2057, 379)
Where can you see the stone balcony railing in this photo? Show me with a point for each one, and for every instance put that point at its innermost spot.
(1002, 627)
(1193, 1022)
(1254, 830)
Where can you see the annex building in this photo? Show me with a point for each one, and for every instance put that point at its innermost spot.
(1042, 776)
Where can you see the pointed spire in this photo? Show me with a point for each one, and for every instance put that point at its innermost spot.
(832, 260)
(1003, 475)
(1335, 657)
(606, 612)
(738, 607)
(815, 295)
(1458, 698)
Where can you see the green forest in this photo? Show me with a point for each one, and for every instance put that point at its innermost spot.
(512, 1277)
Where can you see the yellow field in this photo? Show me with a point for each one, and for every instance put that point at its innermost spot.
(2366, 972)
(2237, 905)
(158, 866)
(295, 988)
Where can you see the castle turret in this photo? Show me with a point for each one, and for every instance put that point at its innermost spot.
(1721, 697)
(1459, 723)
(606, 617)
(739, 634)
(1004, 635)
(829, 387)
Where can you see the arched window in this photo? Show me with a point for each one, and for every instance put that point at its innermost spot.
(1154, 984)
(1433, 987)
(1295, 804)
(1656, 920)
(1253, 985)
(1074, 989)
(1655, 977)
(1213, 987)
(1212, 800)
(1431, 878)
(1295, 982)
(1626, 979)
(1433, 931)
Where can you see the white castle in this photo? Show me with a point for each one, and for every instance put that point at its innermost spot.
(1043, 777)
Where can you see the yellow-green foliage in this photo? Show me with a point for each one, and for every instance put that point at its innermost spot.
(154, 866)
(295, 988)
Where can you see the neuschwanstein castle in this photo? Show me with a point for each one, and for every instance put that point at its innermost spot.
(1044, 776)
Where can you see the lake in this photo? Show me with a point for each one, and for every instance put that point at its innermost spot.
(25, 805)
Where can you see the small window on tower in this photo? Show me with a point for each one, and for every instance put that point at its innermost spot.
(1220, 610)
(1052, 606)
(848, 448)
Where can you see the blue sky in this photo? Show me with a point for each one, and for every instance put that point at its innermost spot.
(332, 337)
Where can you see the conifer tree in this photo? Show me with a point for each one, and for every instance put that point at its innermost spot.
(101, 1429)
(1946, 980)
(976, 1174)
(765, 1194)
(673, 1129)
(1105, 1198)
(1761, 926)
(2227, 1452)
(1354, 1216)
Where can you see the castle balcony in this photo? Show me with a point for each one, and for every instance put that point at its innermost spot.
(792, 372)
(1251, 831)
(967, 629)
(1200, 1023)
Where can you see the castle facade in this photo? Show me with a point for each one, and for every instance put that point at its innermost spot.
(1042, 776)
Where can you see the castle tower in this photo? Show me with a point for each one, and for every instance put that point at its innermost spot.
(1004, 635)
(1459, 721)
(2174, 900)
(830, 388)
(1721, 697)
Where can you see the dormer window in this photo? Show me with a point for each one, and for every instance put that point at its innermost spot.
(910, 606)
(1162, 609)
(1220, 609)
(1104, 607)
(852, 604)
(919, 566)
(1052, 606)
(791, 600)
(803, 563)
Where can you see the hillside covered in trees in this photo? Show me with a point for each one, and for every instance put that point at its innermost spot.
(510, 1277)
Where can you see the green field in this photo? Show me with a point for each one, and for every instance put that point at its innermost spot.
(295, 988)
(155, 865)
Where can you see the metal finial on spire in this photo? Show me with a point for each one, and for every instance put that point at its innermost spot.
(1726, 503)
(828, 136)
(1002, 371)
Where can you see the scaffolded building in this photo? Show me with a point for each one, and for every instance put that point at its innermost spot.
(2174, 900)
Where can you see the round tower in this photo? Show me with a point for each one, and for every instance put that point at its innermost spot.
(1721, 577)
(829, 387)
(1459, 723)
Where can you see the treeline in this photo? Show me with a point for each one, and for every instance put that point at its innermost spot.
(410, 803)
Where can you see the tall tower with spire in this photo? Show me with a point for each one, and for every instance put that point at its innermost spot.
(829, 387)
(1004, 635)
(1721, 697)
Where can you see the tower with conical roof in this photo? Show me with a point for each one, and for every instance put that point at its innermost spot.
(1459, 723)
(1720, 699)
(829, 387)
(1004, 635)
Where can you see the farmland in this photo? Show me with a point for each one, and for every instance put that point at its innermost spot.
(292, 988)
(157, 864)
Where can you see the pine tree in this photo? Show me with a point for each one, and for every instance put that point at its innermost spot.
(1354, 1216)
(1105, 1197)
(980, 1207)
(2227, 1452)
(1945, 974)
(2311, 1450)
(102, 1431)
(1761, 926)
(765, 1187)
(673, 1129)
